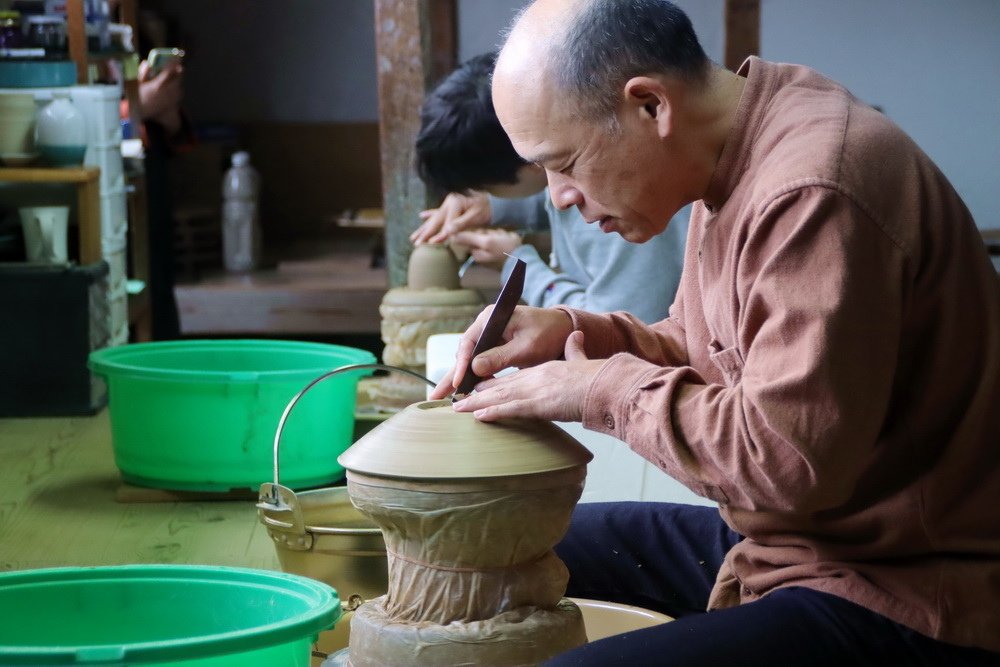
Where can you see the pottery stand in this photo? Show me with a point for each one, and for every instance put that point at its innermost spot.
(470, 513)
(433, 302)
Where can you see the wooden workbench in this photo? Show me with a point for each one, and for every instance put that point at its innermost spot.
(57, 507)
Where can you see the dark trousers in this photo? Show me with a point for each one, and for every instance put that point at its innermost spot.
(665, 557)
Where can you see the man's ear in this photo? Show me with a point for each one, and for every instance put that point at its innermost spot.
(647, 97)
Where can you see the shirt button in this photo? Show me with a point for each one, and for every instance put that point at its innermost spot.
(609, 421)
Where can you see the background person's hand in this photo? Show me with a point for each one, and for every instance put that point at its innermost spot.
(555, 390)
(457, 212)
(532, 336)
(489, 247)
(160, 95)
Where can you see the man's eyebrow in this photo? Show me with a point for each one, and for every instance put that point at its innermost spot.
(543, 158)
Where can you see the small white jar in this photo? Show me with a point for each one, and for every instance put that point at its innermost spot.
(61, 132)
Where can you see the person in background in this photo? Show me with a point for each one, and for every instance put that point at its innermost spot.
(463, 150)
(829, 373)
(165, 131)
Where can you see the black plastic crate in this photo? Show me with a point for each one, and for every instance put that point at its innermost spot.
(54, 316)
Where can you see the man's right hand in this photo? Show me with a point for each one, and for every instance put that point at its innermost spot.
(457, 212)
(533, 336)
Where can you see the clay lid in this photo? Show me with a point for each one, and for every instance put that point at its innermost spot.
(429, 440)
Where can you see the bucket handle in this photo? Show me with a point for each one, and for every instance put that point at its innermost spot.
(274, 499)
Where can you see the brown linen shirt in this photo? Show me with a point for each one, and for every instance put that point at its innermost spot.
(830, 370)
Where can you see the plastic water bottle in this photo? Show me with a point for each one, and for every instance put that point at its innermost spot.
(240, 222)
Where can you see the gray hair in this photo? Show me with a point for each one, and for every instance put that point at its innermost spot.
(610, 41)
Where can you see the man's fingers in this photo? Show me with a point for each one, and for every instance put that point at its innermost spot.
(443, 388)
(466, 344)
(468, 238)
(574, 350)
(492, 361)
(441, 237)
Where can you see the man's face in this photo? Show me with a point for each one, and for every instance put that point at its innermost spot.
(617, 180)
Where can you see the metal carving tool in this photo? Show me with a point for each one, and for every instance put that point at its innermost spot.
(510, 294)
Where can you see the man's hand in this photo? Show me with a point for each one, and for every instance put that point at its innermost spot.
(533, 336)
(160, 95)
(554, 390)
(457, 212)
(489, 247)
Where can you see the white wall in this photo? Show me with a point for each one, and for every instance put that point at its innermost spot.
(308, 61)
(618, 473)
(934, 67)
(480, 23)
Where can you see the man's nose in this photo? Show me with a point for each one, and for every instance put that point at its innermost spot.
(563, 192)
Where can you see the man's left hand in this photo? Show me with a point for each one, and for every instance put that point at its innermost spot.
(554, 390)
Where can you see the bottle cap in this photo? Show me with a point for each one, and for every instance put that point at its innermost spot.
(241, 159)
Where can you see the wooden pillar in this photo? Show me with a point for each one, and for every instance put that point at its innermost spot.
(742, 31)
(415, 46)
(77, 39)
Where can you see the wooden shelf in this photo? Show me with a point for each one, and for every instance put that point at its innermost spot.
(49, 175)
(87, 183)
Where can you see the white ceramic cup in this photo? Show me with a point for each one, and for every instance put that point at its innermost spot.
(45, 233)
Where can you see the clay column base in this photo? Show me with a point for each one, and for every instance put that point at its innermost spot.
(520, 637)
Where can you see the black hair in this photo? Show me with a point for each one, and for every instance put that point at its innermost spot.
(461, 145)
(610, 41)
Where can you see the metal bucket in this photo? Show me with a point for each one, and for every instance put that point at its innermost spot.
(320, 534)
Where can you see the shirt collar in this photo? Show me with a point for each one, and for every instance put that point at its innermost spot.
(749, 114)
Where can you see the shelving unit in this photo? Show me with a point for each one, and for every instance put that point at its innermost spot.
(86, 180)
(139, 312)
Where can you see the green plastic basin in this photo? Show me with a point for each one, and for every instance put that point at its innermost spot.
(201, 414)
(151, 615)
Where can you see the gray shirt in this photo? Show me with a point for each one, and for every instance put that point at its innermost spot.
(592, 270)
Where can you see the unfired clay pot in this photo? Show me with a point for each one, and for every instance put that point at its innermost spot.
(470, 513)
(432, 265)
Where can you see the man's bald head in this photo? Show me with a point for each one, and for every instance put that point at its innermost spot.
(587, 51)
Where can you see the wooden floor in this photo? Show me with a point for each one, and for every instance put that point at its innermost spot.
(57, 507)
(332, 291)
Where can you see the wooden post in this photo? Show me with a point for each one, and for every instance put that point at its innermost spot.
(742, 31)
(414, 41)
(77, 38)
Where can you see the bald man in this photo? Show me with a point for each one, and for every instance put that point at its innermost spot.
(829, 372)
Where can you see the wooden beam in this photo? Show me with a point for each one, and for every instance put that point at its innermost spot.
(77, 39)
(742, 31)
(444, 39)
(415, 41)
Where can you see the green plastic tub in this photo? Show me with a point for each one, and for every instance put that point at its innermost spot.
(169, 615)
(201, 414)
